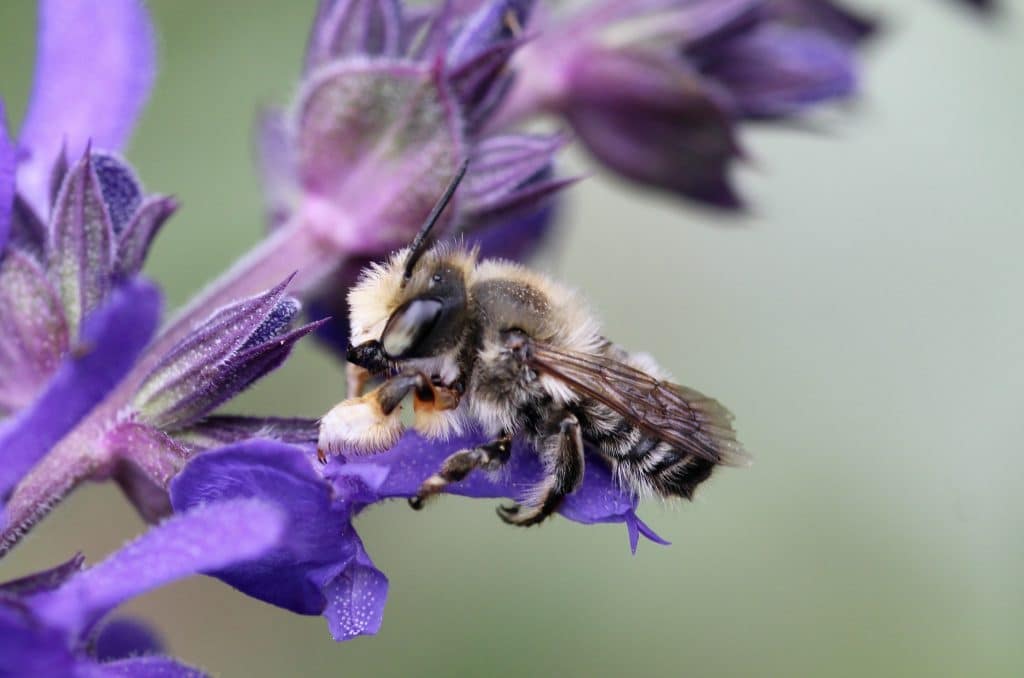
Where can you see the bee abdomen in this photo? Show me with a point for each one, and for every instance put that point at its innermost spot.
(642, 462)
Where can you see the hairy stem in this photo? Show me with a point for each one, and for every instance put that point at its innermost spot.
(52, 479)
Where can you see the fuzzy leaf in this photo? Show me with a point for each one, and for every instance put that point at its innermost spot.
(377, 144)
(355, 27)
(35, 334)
(81, 248)
(134, 241)
(182, 369)
(503, 164)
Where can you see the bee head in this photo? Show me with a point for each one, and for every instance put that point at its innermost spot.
(413, 306)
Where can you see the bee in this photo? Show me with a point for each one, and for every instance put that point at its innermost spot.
(495, 345)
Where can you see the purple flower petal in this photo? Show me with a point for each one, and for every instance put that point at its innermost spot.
(35, 335)
(414, 459)
(81, 249)
(651, 119)
(138, 667)
(95, 66)
(355, 27)
(207, 537)
(321, 558)
(125, 637)
(838, 21)
(777, 71)
(111, 339)
(494, 21)
(7, 164)
(30, 650)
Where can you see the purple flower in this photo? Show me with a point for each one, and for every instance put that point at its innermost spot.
(50, 622)
(81, 395)
(72, 238)
(94, 69)
(656, 89)
(321, 566)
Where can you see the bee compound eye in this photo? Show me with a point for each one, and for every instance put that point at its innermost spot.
(409, 325)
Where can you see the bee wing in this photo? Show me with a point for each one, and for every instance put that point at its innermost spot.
(682, 417)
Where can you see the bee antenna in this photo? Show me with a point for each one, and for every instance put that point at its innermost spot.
(418, 244)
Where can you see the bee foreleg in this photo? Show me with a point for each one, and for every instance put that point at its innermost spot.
(563, 459)
(393, 391)
(457, 466)
(370, 423)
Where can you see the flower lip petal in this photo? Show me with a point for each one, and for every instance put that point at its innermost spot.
(112, 337)
(95, 66)
(414, 458)
(207, 537)
(321, 567)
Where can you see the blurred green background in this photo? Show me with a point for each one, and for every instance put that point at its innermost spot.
(864, 323)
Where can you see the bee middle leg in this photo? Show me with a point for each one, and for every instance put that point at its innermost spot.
(490, 456)
(563, 459)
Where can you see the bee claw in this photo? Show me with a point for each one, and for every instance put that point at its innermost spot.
(321, 455)
(416, 503)
(508, 513)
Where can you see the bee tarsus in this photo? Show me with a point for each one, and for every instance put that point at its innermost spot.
(457, 466)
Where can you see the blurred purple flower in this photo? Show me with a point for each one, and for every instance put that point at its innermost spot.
(321, 567)
(50, 621)
(657, 88)
(838, 21)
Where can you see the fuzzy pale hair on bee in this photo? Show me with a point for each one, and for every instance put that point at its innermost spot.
(492, 345)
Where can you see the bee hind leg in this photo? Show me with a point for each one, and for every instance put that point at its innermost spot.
(457, 466)
(563, 459)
